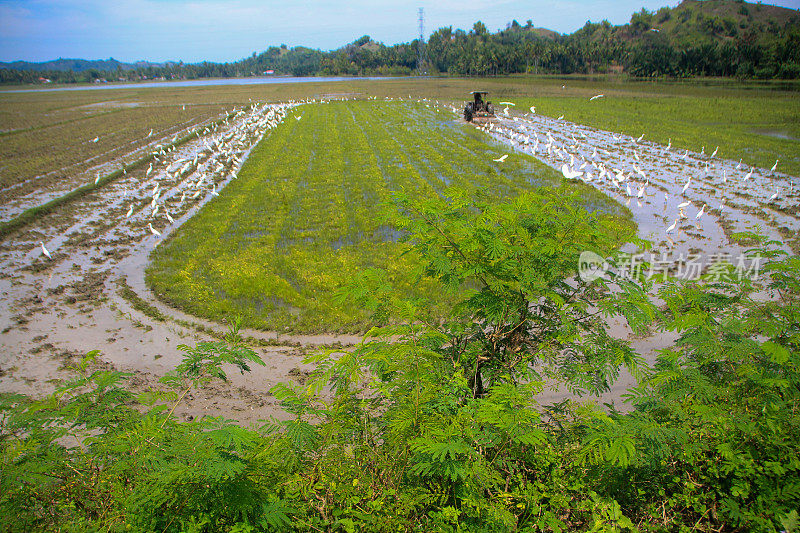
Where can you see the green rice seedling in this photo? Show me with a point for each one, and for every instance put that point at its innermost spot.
(308, 213)
(755, 128)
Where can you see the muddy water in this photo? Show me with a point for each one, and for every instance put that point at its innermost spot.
(651, 180)
(45, 187)
(53, 311)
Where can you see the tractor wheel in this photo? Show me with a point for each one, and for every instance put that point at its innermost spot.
(490, 109)
(468, 114)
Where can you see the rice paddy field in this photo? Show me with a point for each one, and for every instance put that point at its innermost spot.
(310, 206)
(52, 138)
(49, 133)
(753, 128)
(311, 209)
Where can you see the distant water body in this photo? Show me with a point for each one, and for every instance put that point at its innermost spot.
(200, 83)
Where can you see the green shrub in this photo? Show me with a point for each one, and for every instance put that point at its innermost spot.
(435, 426)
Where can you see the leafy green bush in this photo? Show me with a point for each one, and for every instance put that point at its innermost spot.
(434, 425)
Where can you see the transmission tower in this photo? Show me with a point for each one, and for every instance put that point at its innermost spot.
(421, 44)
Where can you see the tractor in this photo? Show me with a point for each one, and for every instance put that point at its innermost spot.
(479, 110)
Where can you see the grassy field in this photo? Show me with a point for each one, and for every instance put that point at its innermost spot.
(58, 135)
(307, 213)
(42, 132)
(756, 129)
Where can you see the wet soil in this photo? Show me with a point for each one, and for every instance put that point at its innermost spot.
(92, 295)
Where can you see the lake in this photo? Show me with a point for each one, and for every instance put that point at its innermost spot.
(201, 82)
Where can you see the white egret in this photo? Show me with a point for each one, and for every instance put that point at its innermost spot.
(595, 97)
(672, 227)
(96, 139)
(687, 203)
(501, 159)
(44, 250)
(130, 212)
(774, 166)
(569, 173)
(701, 212)
(153, 230)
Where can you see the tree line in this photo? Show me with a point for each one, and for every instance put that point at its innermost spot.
(717, 46)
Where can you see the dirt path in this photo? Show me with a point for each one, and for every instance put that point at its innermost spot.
(54, 311)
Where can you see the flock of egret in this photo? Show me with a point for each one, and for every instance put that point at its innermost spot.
(620, 165)
(215, 161)
(624, 166)
(634, 169)
(176, 180)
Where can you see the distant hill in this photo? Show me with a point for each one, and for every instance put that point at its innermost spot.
(544, 33)
(80, 65)
(694, 22)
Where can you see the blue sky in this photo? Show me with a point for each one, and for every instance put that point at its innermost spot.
(227, 30)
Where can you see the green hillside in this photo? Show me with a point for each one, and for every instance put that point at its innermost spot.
(695, 22)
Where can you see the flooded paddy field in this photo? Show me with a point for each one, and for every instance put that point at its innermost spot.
(313, 208)
(92, 293)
